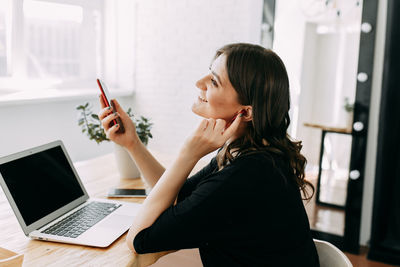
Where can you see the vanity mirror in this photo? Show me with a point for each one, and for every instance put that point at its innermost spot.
(327, 47)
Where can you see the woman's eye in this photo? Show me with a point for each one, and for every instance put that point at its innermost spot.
(214, 82)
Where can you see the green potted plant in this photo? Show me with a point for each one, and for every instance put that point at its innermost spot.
(91, 126)
(349, 108)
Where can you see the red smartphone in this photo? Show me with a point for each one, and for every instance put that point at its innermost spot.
(105, 95)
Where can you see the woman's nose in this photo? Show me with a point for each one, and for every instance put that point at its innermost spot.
(201, 84)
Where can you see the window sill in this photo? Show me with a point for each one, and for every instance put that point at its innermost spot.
(53, 95)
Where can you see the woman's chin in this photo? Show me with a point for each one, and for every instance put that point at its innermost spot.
(205, 116)
(195, 110)
(199, 114)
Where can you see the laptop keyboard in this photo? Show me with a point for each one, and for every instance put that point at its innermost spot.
(81, 220)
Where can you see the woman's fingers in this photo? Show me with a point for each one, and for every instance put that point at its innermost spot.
(107, 120)
(112, 131)
(220, 126)
(203, 125)
(210, 126)
(210, 135)
(214, 129)
(117, 107)
(233, 127)
(105, 112)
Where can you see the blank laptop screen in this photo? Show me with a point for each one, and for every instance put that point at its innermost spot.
(41, 183)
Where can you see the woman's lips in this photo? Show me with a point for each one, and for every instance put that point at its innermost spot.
(203, 99)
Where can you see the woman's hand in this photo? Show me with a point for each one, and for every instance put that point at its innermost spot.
(127, 139)
(209, 136)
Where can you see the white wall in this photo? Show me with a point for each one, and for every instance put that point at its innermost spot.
(289, 36)
(176, 41)
(27, 125)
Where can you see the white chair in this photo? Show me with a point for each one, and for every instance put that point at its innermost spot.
(331, 256)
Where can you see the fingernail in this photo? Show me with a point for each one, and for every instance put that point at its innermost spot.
(116, 125)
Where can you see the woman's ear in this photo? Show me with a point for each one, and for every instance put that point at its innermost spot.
(247, 113)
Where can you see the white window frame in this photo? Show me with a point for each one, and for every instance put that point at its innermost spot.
(116, 48)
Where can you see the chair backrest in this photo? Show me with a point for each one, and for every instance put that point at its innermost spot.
(331, 256)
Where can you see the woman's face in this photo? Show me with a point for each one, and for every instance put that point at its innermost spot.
(217, 99)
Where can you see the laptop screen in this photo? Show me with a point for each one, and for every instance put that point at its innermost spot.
(41, 183)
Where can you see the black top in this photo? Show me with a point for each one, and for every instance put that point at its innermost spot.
(247, 214)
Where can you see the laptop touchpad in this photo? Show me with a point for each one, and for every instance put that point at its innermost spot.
(117, 221)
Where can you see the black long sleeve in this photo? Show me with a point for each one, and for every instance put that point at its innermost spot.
(247, 214)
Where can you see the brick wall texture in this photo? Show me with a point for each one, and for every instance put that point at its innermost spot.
(175, 42)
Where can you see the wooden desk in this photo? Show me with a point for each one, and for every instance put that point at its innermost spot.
(98, 175)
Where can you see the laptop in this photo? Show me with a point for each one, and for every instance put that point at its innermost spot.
(51, 203)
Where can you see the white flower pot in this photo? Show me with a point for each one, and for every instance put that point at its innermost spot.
(126, 165)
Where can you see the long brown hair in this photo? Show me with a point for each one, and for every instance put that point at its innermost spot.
(259, 77)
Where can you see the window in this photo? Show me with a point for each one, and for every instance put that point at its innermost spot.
(5, 23)
(53, 36)
(61, 44)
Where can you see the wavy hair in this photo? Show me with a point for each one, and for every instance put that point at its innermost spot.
(260, 79)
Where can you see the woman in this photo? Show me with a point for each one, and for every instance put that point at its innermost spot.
(245, 207)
